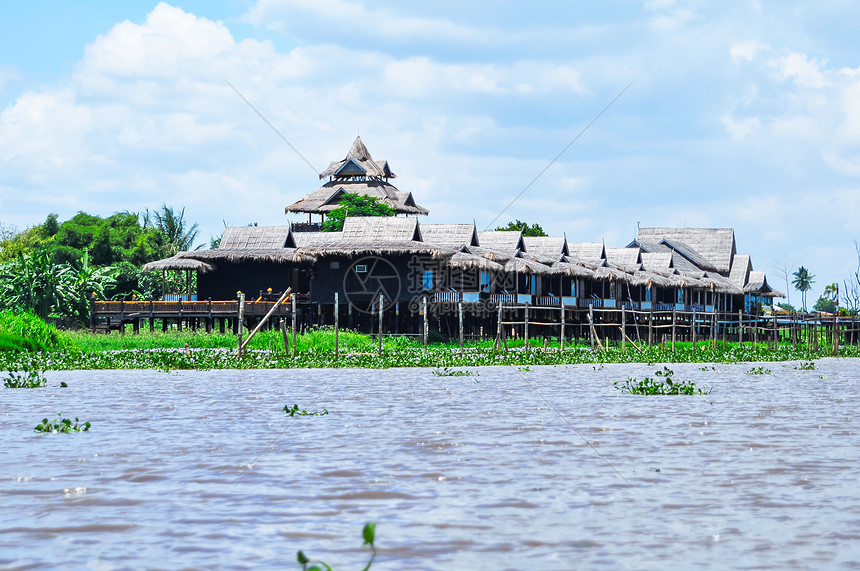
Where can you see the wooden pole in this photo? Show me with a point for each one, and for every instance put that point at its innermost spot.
(336, 324)
(426, 324)
(294, 324)
(460, 312)
(263, 321)
(741, 328)
(561, 337)
(286, 337)
(714, 327)
(527, 326)
(693, 329)
(498, 329)
(623, 329)
(775, 331)
(240, 322)
(591, 324)
(674, 320)
(379, 335)
(651, 324)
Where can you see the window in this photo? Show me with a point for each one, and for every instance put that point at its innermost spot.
(334, 265)
(485, 281)
(361, 269)
(647, 294)
(427, 282)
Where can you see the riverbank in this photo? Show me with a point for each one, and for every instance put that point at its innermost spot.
(222, 358)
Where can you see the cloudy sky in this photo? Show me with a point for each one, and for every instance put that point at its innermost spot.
(742, 114)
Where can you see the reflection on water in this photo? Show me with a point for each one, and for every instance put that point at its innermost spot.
(204, 470)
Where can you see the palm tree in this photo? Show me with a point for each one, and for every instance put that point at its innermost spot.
(173, 226)
(802, 282)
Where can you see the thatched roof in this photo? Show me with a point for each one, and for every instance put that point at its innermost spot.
(381, 228)
(493, 255)
(549, 246)
(350, 248)
(574, 270)
(758, 285)
(623, 256)
(507, 241)
(525, 266)
(358, 162)
(257, 237)
(716, 245)
(327, 198)
(467, 261)
(586, 250)
(657, 260)
(450, 235)
(177, 263)
(679, 262)
(278, 255)
(741, 268)
(310, 239)
(546, 260)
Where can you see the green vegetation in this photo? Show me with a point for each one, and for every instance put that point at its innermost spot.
(802, 282)
(806, 366)
(759, 371)
(61, 424)
(26, 379)
(54, 268)
(296, 411)
(352, 204)
(368, 533)
(448, 372)
(27, 332)
(663, 385)
(528, 229)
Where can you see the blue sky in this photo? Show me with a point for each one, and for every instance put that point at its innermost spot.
(743, 114)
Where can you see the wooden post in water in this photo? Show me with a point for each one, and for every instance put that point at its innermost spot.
(815, 329)
(336, 331)
(379, 335)
(775, 331)
(526, 331)
(293, 298)
(693, 329)
(460, 312)
(651, 325)
(498, 329)
(561, 337)
(241, 319)
(426, 324)
(591, 324)
(674, 326)
(623, 329)
(286, 338)
(714, 329)
(741, 328)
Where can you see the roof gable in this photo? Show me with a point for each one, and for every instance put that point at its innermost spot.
(591, 251)
(507, 241)
(381, 228)
(550, 246)
(717, 245)
(450, 235)
(257, 237)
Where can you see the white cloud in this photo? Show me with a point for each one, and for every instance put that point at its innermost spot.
(742, 128)
(359, 20)
(747, 50)
(796, 66)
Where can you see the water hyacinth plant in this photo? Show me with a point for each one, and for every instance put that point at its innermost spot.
(296, 411)
(663, 384)
(26, 379)
(759, 371)
(61, 424)
(448, 372)
(368, 533)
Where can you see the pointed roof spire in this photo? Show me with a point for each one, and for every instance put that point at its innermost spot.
(358, 162)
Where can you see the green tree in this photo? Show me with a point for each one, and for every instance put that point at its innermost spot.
(527, 229)
(825, 304)
(352, 204)
(802, 282)
(176, 230)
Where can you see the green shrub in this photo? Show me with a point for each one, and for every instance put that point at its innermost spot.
(27, 332)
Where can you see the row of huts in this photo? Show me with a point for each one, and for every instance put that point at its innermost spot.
(403, 261)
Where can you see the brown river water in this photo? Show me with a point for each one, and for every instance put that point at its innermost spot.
(549, 468)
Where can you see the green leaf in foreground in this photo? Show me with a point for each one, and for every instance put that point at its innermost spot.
(61, 424)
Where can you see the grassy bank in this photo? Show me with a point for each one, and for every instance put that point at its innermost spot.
(30, 343)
